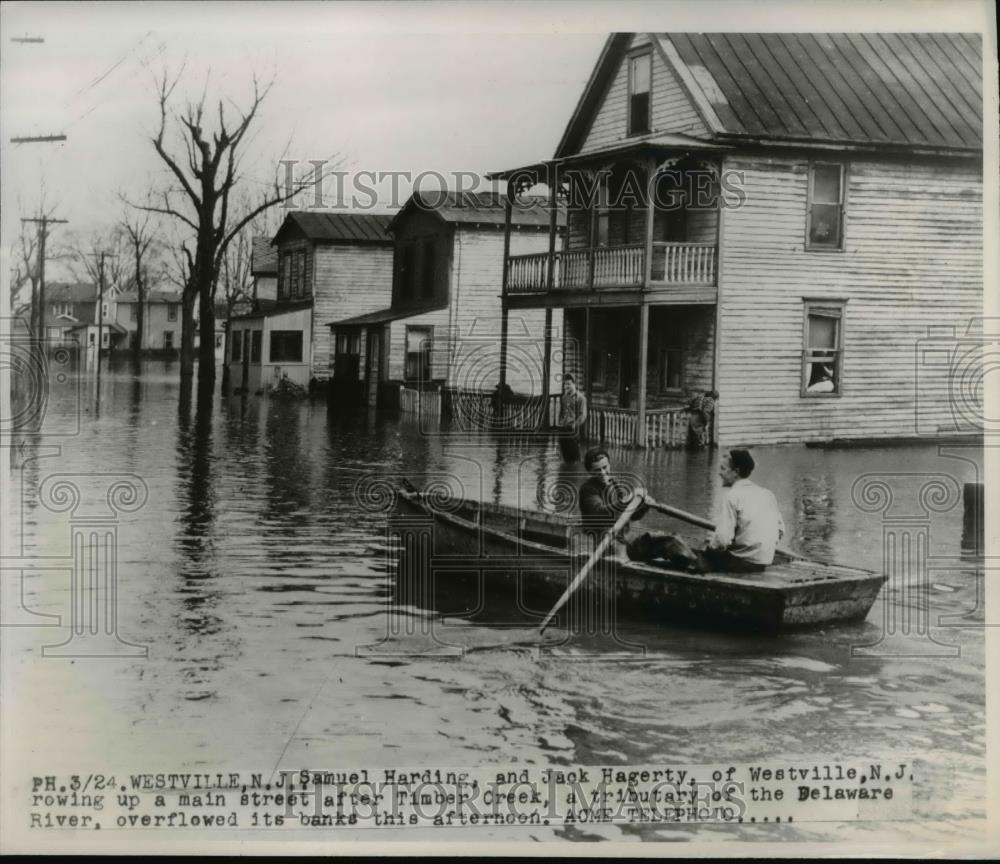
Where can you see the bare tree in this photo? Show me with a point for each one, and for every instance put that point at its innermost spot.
(204, 174)
(140, 235)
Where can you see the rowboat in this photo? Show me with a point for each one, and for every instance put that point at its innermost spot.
(461, 555)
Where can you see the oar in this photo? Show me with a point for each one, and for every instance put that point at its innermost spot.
(609, 536)
(684, 516)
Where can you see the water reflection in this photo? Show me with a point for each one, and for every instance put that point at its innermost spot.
(816, 514)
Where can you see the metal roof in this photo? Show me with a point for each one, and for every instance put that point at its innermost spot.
(379, 317)
(922, 89)
(263, 257)
(346, 228)
(911, 91)
(480, 208)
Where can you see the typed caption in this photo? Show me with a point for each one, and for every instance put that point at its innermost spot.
(773, 792)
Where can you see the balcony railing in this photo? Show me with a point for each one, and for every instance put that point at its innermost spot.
(613, 267)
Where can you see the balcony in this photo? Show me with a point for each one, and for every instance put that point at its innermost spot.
(607, 267)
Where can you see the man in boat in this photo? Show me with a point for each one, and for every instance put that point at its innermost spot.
(603, 499)
(748, 524)
(572, 416)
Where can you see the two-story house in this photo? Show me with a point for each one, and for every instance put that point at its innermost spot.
(328, 264)
(443, 327)
(72, 316)
(161, 322)
(779, 217)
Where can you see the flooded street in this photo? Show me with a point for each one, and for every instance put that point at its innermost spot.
(262, 590)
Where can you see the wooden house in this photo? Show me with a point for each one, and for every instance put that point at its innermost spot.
(328, 264)
(778, 217)
(442, 329)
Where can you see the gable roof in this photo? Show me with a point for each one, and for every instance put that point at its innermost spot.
(901, 90)
(65, 292)
(263, 257)
(342, 228)
(477, 208)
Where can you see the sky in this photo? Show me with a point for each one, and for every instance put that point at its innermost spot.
(412, 87)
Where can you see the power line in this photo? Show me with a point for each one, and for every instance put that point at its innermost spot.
(36, 139)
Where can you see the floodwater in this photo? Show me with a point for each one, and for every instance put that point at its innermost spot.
(260, 586)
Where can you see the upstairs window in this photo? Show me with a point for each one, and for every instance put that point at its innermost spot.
(429, 268)
(826, 207)
(409, 274)
(823, 351)
(133, 311)
(171, 311)
(285, 277)
(639, 80)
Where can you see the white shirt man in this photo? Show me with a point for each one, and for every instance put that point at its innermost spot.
(748, 524)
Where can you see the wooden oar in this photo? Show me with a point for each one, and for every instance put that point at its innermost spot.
(609, 537)
(684, 516)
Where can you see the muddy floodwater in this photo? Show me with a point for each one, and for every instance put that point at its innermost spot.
(261, 587)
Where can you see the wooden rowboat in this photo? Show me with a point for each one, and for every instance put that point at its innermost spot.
(497, 556)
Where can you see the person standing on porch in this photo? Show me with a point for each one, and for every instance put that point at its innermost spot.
(572, 416)
(748, 524)
(701, 410)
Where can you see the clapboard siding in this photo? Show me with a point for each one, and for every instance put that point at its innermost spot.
(672, 110)
(349, 281)
(476, 282)
(912, 259)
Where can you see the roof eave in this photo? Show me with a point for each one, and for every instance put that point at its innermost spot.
(899, 147)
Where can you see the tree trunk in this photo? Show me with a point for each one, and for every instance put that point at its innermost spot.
(206, 350)
(187, 334)
(140, 322)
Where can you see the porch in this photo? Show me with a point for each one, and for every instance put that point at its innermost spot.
(613, 267)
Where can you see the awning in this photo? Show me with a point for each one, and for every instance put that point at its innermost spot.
(382, 316)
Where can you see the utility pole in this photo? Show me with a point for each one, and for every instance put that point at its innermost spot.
(43, 223)
(100, 310)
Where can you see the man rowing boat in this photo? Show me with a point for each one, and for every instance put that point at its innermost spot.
(603, 499)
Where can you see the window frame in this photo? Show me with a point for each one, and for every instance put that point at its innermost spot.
(661, 368)
(823, 307)
(256, 345)
(427, 345)
(284, 334)
(171, 311)
(842, 225)
(647, 52)
(236, 347)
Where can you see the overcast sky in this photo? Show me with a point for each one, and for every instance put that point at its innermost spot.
(385, 87)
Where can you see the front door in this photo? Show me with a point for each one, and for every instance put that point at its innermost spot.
(629, 346)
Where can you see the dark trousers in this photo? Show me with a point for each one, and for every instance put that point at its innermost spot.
(667, 548)
(723, 560)
(569, 445)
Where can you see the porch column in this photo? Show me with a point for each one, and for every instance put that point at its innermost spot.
(508, 210)
(546, 366)
(585, 366)
(640, 426)
(650, 214)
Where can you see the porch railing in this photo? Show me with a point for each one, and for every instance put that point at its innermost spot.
(689, 263)
(477, 410)
(421, 404)
(612, 267)
(665, 427)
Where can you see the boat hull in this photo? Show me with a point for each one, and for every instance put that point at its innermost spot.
(477, 559)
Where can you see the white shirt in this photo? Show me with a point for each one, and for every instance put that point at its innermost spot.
(748, 522)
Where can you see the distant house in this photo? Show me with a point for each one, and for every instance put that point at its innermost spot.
(72, 316)
(161, 324)
(443, 325)
(779, 217)
(328, 264)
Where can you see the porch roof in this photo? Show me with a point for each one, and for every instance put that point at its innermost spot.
(379, 317)
(652, 144)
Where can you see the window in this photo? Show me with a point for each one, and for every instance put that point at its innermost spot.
(822, 353)
(168, 339)
(409, 274)
(285, 277)
(256, 341)
(671, 370)
(237, 345)
(104, 311)
(299, 274)
(429, 267)
(639, 75)
(826, 207)
(171, 311)
(418, 354)
(286, 346)
(133, 312)
(602, 219)
(218, 341)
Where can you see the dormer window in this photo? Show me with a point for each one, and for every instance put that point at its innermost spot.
(639, 82)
